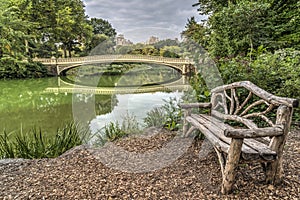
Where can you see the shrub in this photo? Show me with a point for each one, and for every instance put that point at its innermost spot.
(278, 72)
(155, 117)
(35, 144)
(168, 116)
(11, 68)
(114, 131)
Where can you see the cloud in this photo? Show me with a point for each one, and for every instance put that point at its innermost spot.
(139, 19)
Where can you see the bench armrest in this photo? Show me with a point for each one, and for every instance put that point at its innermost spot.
(254, 133)
(195, 105)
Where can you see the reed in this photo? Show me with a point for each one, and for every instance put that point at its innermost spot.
(37, 144)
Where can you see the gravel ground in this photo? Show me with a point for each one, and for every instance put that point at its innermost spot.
(78, 174)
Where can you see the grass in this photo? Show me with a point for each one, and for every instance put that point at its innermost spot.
(115, 131)
(35, 144)
(167, 116)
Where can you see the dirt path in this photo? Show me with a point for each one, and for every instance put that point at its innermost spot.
(79, 175)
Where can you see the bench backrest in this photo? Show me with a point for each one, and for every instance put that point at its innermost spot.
(248, 104)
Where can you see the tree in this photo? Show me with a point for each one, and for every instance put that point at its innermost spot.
(71, 24)
(196, 32)
(103, 37)
(240, 27)
(58, 23)
(286, 23)
(100, 44)
(168, 42)
(209, 7)
(13, 31)
(101, 26)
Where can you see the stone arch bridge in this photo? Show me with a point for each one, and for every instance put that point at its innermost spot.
(60, 65)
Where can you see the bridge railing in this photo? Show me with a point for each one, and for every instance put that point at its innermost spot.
(111, 58)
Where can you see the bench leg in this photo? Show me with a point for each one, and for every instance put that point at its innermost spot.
(185, 122)
(274, 172)
(222, 160)
(231, 163)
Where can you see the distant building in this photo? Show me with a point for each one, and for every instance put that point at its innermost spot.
(152, 40)
(121, 41)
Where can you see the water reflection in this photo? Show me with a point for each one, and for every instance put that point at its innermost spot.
(49, 103)
(135, 105)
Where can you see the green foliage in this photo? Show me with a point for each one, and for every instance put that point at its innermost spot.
(13, 31)
(114, 131)
(166, 43)
(155, 117)
(100, 44)
(35, 144)
(277, 73)
(196, 32)
(165, 48)
(238, 27)
(101, 26)
(44, 28)
(12, 68)
(168, 116)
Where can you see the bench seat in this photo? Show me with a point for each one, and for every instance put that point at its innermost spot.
(213, 129)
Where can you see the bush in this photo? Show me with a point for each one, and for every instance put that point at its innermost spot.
(278, 72)
(11, 68)
(168, 116)
(155, 117)
(115, 131)
(35, 144)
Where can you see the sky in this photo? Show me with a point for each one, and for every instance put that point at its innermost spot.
(140, 19)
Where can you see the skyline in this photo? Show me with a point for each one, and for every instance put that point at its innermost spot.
(137, 20)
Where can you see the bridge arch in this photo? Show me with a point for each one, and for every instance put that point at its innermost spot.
(63, 70)
(63, 64)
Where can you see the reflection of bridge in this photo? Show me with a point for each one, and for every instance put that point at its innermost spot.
(60, 65)
(65, 87)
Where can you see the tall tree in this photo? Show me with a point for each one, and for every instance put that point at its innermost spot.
(101, 26)
(59, 23)
(13, 31)
(196, 32)
(103, 37)
(240, 28)
(71, 24)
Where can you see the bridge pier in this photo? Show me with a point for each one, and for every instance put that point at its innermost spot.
(188, 69)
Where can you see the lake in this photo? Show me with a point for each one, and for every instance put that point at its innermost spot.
(49, 103)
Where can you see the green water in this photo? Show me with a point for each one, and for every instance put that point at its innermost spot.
(24, 103)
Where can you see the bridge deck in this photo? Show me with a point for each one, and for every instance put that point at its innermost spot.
(63, 64)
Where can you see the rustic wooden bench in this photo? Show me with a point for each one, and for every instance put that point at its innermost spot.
(245, 124)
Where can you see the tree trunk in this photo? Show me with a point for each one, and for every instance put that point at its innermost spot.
(65, 52)
(70, 53)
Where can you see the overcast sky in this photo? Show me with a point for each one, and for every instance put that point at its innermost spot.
(140, 19)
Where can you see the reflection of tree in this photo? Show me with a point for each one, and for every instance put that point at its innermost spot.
(87, 106)
(105, 103)
(24, 104)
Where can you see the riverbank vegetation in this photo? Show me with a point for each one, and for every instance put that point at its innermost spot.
(168, 116)
(37, 144)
